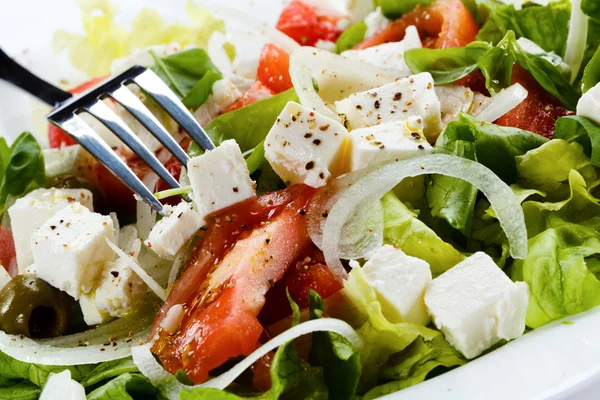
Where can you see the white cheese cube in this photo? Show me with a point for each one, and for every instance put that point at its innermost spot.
(172, 232)
(413, 96)
(388, 142)
(121, 291)
(476, 305)
(224, 93)
(33, 210)
(329, 8)
(70, 160)
(453, 101)
(91, 314)
(220, 178)
(589, 104)
(61, 387)
(389, 55)
(304, 146)
(4, 277)
(70, 249)
(375, 22)
(143, 57)
(400, 282)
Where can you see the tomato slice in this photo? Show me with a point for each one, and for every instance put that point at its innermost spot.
(538, 112)
(274, 69)
(302, 23)
(58, 138)
(246, 250)
(444, 24)
(8, 255)
(255, 93)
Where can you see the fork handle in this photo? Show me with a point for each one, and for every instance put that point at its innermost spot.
(14, 73)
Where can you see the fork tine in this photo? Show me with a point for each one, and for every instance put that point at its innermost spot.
(112, 121)
(163, 95)
(134, 105)
(90, 141)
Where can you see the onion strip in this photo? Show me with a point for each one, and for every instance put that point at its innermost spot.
(383, 179)
(171, 388)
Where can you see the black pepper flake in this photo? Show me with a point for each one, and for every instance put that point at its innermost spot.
(53, 227)
(61, 221)
(294, 118)
(322, 175)
(307, 135)
(324, 128)
(302, 212)
(316, 142)
(235, 189)
(310, 165)
(421, 147)
(397, 96)
(377, 104)
(415, 135)
(267, 241)
(180, 214)
(382, 147)
(325, 214)
(359, 107)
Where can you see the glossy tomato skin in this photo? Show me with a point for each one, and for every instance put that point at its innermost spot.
(302, 23)
(245, 250)
(274, 69)
(58, 138)
(443, 24)
(538, 112)
(255, 93)
(8, 255)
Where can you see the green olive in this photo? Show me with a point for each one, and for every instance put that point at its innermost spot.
(29, 306)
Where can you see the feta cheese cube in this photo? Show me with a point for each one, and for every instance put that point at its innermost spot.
(172, 232)
(589, 104)
(375, 22)
(388, 142)
(121, 291)
(91, 314)
(476, 305)
(33, 210)
(4, 277)
(389, 55)
(220, 178)
(413, 96)
(70, 249)
(400, 282)
(224, 93)
(329, 8)
(143, 57)
(304, 146)
(70, 160)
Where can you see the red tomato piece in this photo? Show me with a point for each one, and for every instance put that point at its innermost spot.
(274, 69)
(302, 23)
(8, 255)
(444, 24)
(246, 250)
(257, 92)
(538, 112)
(58, 138)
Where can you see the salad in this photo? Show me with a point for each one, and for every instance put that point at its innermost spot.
(398, 188)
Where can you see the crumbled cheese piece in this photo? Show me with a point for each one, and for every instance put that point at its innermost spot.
(33, 210)
(375, 22)
(224, 93)
(413, 96)
(70, 249)
(70, 160)
(304, 146)
(454, 100)
(172, 232)
(220, 178)
(589, 104)
(476, 305)
(388, 142)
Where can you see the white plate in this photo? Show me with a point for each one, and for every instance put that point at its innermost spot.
(555, 362)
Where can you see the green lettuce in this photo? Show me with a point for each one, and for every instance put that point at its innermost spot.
(127, 386)
(414, 364)
(351, 37)
(109, 370)
(591, 8)
(105, 40)
(574, 128)
(591, 72)
(393, 9)
(403, 230)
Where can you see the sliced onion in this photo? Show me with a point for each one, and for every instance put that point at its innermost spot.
(337, 77)
(376, 184)
(148, 280)
(503, 102)
(361, 233)
(273, 35)
(576, 41)
(177, 266)
(89, 347)
(170, 387)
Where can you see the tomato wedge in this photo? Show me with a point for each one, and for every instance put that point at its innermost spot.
(255, 93)
(58, 138)
(8, 255)
(538, 112)
(246, 250)
(274, 69)
(444, 24)
(302, 23)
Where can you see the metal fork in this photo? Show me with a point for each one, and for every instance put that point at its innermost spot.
(66, 108)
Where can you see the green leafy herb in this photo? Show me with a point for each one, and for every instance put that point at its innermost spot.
(393, 9)
(591, 73)
(351, 37)
(481, 9)
(108, 370)
(578, 129)
(202, 90)
(333, 352)
(591, 8)
(257, 158)
(20, 391)
(127, 386)
(183, 71)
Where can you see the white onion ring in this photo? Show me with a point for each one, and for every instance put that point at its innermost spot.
(376, 184)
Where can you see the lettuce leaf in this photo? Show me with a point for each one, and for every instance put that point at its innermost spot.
(108, 370)
(402, 229)
(574, 128)
(22, 390)
(127, 386)
(414, 364)
(591, 72)
(105, 40)
(393, 9)
(591, 8)
(351, 37)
